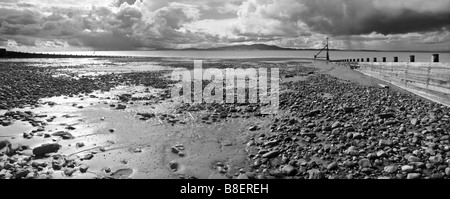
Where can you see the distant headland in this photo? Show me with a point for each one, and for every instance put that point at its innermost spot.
(13, 54)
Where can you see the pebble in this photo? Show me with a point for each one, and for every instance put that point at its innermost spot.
(289, 170)
(332, 166)
(173, 165)
(315, 174)
(390, 169)
(407, 168)
(83, 168)
(45, 149)
(242, 176)
(412, 176)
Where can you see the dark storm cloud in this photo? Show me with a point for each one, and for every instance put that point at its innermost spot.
(354, 17)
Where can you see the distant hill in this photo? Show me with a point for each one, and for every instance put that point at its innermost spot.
(239, 48)
(273, 47)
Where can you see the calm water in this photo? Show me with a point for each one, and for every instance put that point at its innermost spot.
(334, 55)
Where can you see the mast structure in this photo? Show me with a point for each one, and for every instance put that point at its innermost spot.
(326, 47)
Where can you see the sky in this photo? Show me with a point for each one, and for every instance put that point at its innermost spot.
(47, 25)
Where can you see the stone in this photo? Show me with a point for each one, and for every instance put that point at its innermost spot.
(381, 154)
(69, 172)
(253, 128)
(80, 144)
(84, 168)
(21, 173)
(270, 154)
(271, 143)
(335, 125)
(289, 170)
(64, 135)
(436, 159)
(332, 166)
(386, 115)
(365, 163)
(242, 176)
(46, 148)
(413, 159)
(412, 176)
(414, 121)
(383, 178)
(407, 168)
(437, 176)
(315, 174)
(390, 169)
(352, 151)
(384, 143)
(121, 107)
(447, 171)
(173, 165)
(88, 156)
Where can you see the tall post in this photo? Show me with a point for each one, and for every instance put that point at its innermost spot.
(328, 55)
(435, 58)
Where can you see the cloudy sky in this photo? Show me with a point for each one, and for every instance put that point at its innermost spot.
(149, 24)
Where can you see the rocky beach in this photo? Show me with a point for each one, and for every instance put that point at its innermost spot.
(103, 118)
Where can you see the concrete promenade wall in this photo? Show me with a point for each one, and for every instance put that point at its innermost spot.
(429, 80)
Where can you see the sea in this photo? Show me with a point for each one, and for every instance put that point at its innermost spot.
(294, 54)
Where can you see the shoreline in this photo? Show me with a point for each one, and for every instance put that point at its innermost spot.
(333, 123)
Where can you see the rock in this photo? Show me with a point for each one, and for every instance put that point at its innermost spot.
(386, 115)
(437, 176)
(46, 148)
(332, 166)
(80, 144)
(447, 171)
(335, 125)
(56, 165)
(414, 121)
(30, 176)
(289, 170)
(242, 176)
(175, 150)
(21, 173)
(315, 174)
(121, 107)
(436, 159)
(69, 172)
(137, 150)
(412, 176)
(253, 128)
(88, 156)
(271, 143)
(271, 154)
(352, 151)
(384, 143)
(407, 168)
(381, 154)
(173, 165)
(413, 159)
(383, 178)
(365, 163)
(390, 169)
(64, 135)
(84, 168)
(357, 136)
(112, 130)
(4, 143)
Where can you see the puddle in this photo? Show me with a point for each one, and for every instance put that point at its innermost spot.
(15, 129)
(122, 173)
